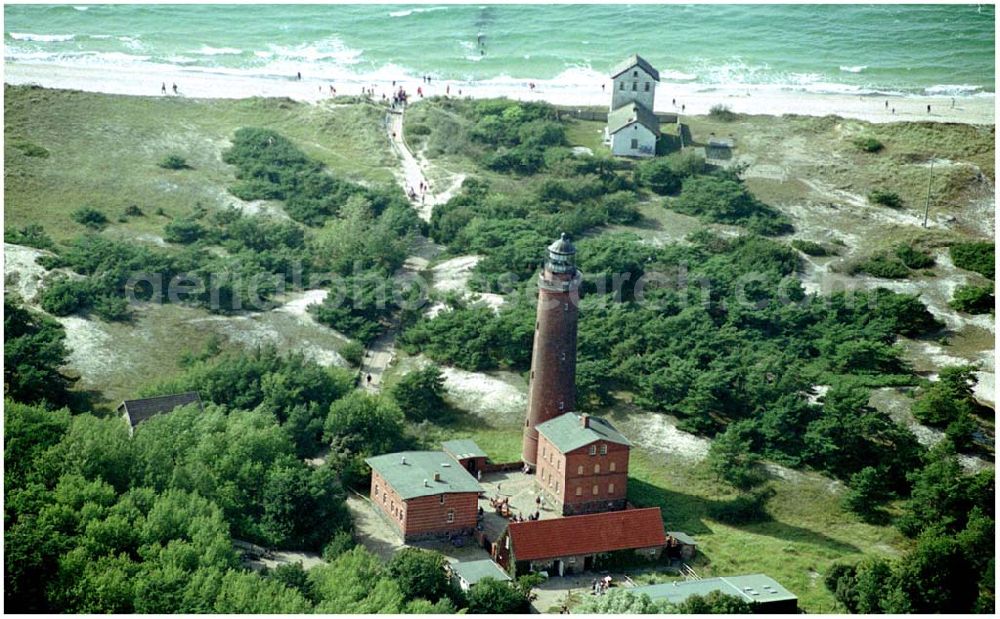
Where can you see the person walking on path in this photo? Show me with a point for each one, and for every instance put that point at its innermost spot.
(175, 88)
(163, 89)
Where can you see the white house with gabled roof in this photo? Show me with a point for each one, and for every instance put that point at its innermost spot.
(633, 128)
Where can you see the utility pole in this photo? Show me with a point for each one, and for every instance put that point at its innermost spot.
(927, 203)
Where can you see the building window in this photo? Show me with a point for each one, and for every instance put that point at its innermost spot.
(441, 499)
(579, 470)
(544, 449)
(384, 499)
(451, 515)
(604, 449)
(635, 74)
(579, 491)
(635, 86)
(562, 405)
(558, 465)
(611, 467)
(621, 86)
(647, 86)
(635, 143)
(611, 488)
(597, 469)
(595, 490)
(376, 489)
(557, 485)
(593, 450)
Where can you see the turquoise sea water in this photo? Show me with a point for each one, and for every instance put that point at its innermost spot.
(905, 49)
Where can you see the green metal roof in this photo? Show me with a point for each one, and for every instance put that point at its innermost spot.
(625, 115)
(754, 588)
(567, 433)
(631, 61)
(682, 537)
(411, 473)
(474, 571)
(463, 448)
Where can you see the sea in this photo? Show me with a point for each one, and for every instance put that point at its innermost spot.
(941, 50)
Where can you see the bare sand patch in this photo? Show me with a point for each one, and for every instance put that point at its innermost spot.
(22, 271)
(494, 396)
(659, 432)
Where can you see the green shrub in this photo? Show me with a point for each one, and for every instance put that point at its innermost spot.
(885, 198)
(133, 210)
(29, 149)
(420, 394)
(658, 175)
(882, 265)
(184, 231)
(868, 144)
(90, 217)
(418, 129)
(726, 200)
(973, 299)
(723, 113)
(913, 258)
(63, 296)
(978, 257)
(174, 162)
(32, 235)
(810, 248)
(353, 353)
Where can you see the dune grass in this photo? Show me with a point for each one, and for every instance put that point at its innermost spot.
(105, 151)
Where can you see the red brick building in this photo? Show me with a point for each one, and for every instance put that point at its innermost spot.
(582, 464)
(577, 543)
(424, 494)
(552, 382)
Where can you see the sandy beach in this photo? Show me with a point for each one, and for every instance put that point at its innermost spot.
(686, 98)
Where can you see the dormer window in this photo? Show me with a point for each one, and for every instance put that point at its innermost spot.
(635, 74)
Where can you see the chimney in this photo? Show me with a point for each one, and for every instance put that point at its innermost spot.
(437, 476)
(426, 485)
(585, 420)
(402, 459)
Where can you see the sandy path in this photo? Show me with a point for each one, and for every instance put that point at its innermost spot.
(413, 176)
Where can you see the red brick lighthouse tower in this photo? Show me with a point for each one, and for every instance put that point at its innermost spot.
(552, 388)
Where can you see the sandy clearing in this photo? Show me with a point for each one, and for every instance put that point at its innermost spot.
(658, 432)
(152, 238)
(284, 330)
(297, 303)
(22, 271)
(492, 396)
(89, 346)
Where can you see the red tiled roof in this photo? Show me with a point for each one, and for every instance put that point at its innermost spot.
(588, 534)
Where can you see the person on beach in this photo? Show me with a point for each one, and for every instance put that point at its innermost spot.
(603, 87)
(298, 76)
(163, 90)
(447, 90)
(683, 106)
(673, 102)
(893, 111)
(887, 103)
(928, 108)
(175, 87)
(953, 103)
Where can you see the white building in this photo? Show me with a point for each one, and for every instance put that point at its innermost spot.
(633, 128)
(633, 131)
(634, 80)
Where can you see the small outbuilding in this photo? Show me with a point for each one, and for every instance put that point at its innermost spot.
(764, 593)
(466, 574)
(680, 545)
(135, 412)
(467, 453)
(424, 494)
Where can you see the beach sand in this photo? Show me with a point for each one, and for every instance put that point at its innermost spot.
(696, 99)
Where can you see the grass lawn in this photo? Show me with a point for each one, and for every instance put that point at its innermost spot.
(104, 150)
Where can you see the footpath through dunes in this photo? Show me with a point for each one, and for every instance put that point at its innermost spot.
(412, 177)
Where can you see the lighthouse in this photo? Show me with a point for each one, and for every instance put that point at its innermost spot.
(552, 386)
